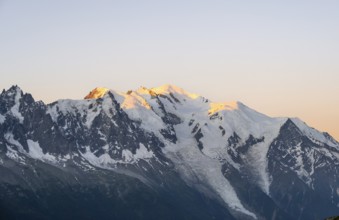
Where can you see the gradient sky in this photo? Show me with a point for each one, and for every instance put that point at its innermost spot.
(278, 57)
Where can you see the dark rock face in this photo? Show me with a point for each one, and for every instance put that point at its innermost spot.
(254, 196)
(91, 160)
(47, 192)
(292, 156)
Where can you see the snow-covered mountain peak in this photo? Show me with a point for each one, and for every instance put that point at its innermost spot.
(133, 100)
(220, 106)
(167, 137)
(13, 91)
(315, 135)
(143, 91)
(10, 101)
(168, 89)
(96, 93)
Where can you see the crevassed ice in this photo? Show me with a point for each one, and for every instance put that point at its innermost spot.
(192, 164)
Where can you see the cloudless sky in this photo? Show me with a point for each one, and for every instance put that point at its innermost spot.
(278, 57)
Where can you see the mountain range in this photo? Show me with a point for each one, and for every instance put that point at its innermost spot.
(160, 153)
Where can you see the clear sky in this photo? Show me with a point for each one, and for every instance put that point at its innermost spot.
(278, 57)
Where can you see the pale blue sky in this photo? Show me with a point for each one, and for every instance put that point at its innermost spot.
(279, 57)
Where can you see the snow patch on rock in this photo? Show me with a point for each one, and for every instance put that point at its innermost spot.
(314, 135)
(105, 161)
(143, 153)
(15, 109)
(36, 152)
(2, 119)
(87, 109)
